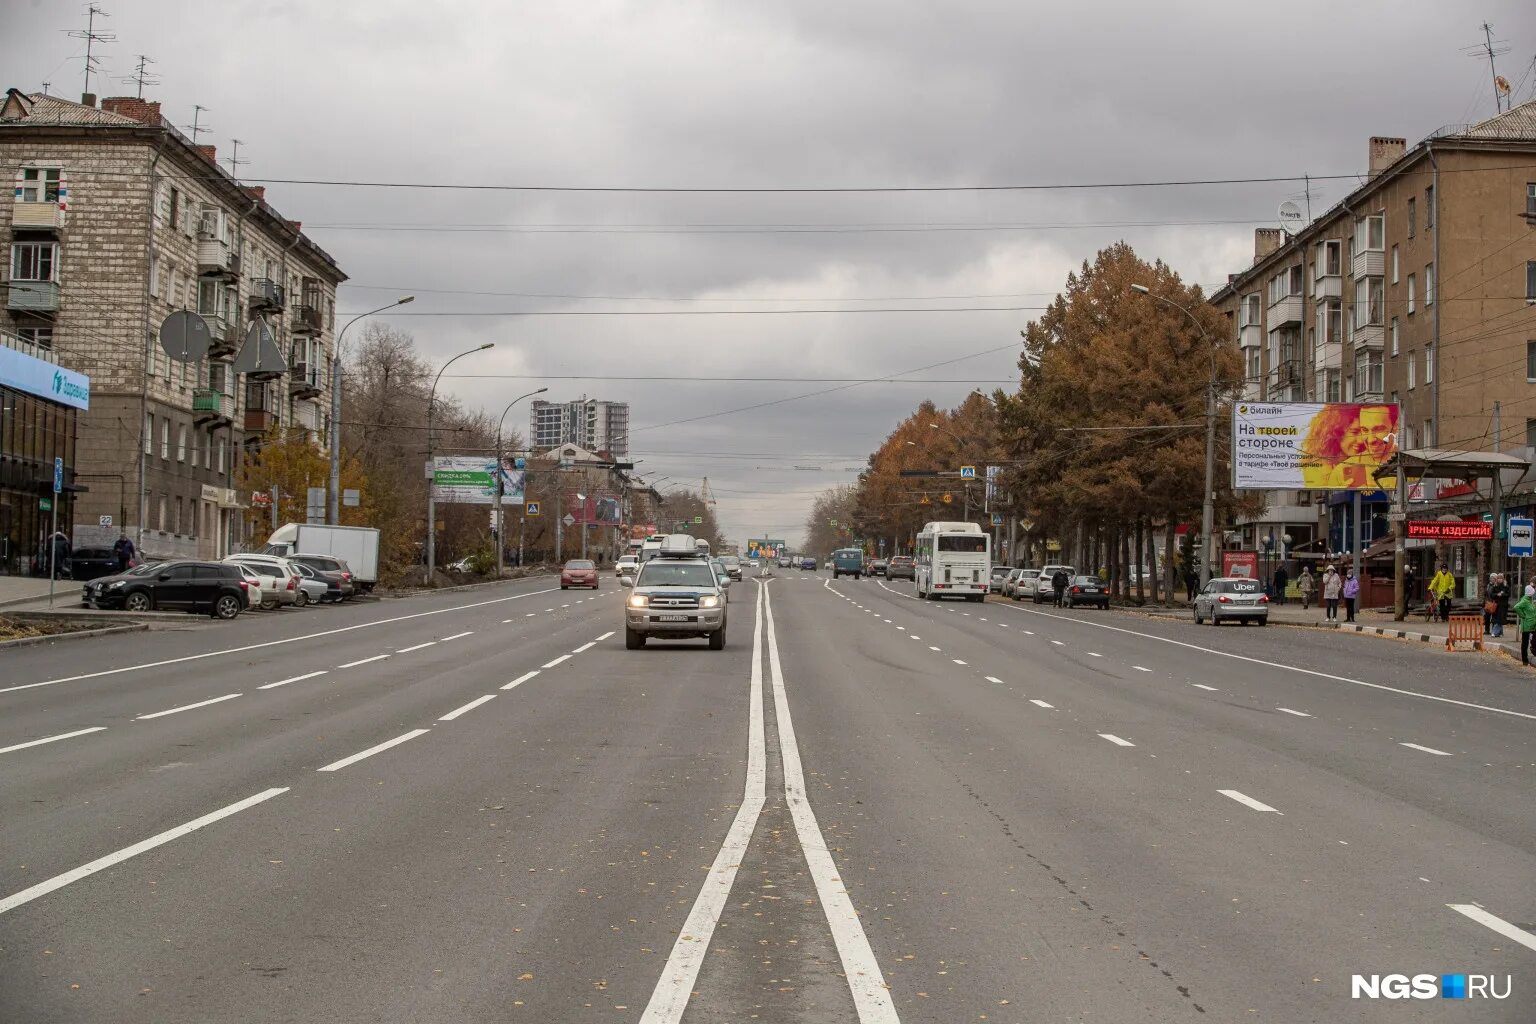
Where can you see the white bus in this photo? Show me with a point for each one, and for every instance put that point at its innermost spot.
(953, 559)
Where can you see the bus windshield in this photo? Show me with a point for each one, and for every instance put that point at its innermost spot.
(968, 543)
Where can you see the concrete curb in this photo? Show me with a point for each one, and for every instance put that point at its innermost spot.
(33, 641)
(70, 596)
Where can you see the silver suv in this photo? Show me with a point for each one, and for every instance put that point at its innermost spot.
(676, 595)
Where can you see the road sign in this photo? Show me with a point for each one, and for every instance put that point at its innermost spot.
(58, 475)
(967, 472)
(569, 520)
(45, 504)
(1522, 533)
(103, 520)
(351, 497)
(925, 500)
(949, 499)
(997, 519)
(532, 508)
(1026, 525)
(184, 336)
(698, 520)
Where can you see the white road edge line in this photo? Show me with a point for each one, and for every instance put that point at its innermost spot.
(1292, 711)
(418, 647)
(552, 664)
(336, 766)
(85, 870)
(187, 707)
(1116, 740)
(1248, 801)
(1427, 750)
(363, 661)
(585, 647)
(1477, 914)
(456, 712)
(520, 680)
(291, 679)
(871, 997)
(52, 739)
(675, 986)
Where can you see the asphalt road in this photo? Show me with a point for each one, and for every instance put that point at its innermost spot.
(477, 806)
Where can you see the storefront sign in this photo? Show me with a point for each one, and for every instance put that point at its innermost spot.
(44, 379)
(1313, 446)
(1451, 530)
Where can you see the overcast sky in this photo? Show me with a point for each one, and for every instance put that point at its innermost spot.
(782, 94)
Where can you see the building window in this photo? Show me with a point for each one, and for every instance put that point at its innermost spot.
(1429, 284)
(176, 523)
(42, 337)
(1413, 371)
(1329, 386)
(1530, 433)
(217, 444)
(34, 261)
(1408, 439)
(181, 443)
(1332, 252)
(1413, 217)
(165, 438)
(210, 297)
(1429, 363)
(1330, 321)
(1253, 315)
(1530, 281)
(1370, 233)
(1429, 207)
(1411, 284)
(1427, 435)
(40, 184)
(1368, 372)
(149, 433)
(160, 518)
(1530, 199)
(1395, 336)
(1394, 264)
(1530, 362)
(1369, 307)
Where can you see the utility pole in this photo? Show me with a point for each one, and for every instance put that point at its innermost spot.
(1496, 559)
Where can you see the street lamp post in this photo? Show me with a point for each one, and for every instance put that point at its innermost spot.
(501, 522)
(333, 499)
(1208, 505)
(431, 499)
(964, 485)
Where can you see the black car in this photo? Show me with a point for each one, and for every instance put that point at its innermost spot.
(878, 567)
(338, 586)
(212, 588)
(90, 563)
(1086, 590)
(323, 564)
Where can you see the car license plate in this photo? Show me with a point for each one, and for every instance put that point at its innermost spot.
(1090, 590)
(672, 618)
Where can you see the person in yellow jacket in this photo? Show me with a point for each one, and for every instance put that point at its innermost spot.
(1441, 586)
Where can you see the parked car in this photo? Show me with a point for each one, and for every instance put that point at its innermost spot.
(901, 567)
(1044, 591)
(321, 585)
(330, 564)
(285, 579)
(211, 588)
(1089, 590)
(1229, 598)
(89, 563)
(261, 591)
(995, 579)
(1025, 582)
(1011, 584)
(877, 566)
(579, 572)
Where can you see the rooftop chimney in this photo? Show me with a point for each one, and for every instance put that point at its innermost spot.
(88, 99)
(257, 192)
(1385, 152)
(1266, 241)
(141, 111)
(209, 153)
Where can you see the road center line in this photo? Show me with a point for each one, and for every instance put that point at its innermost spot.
(456, 712)
(336, 766)
(1058, 643)
(291, 679)
(187, 707)
(85, 870)
(363, 661)
(1094, 654)
(871, 997)
(418, 647)
(520, 680)
(1427, 750)
(1116, 740)
(1483, 918)
(552, 664)
(1248, 801)
(675, 986)
(585, 647)
(52, 739)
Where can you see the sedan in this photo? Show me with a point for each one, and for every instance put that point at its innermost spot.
(808, 563)
(998, 575)
(1232, 598)
(901, 567)
(323, 584)
(1089, 590)
(579, 572)
(878, 567)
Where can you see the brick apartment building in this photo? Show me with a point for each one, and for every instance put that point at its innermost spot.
(118, 220)
(1418, 288)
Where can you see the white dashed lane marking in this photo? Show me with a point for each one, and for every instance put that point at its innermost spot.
(1139, 668)
(456, 712)
(363, 661)
(52, 739)
(1290, 711)
(1042, 704)
(1202, 686)
(1247, 801)
(1427, 750)
(418, 647)
(188, 707)
(1116, 740)
(291, 679)
(521, 679)
(994, 679)
(336, 766)
(552, 664)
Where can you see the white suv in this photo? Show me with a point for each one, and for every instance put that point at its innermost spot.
(1043, 589)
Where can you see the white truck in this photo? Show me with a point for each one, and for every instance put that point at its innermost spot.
(358, 546)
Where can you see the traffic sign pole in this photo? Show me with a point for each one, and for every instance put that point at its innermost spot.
(53, 531)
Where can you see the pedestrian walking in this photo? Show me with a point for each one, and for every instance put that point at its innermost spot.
(1351, 594)
(125, 552)
(1410, 585)
(1306, 586)
(1282, 580)
(1333, 586)
(1525, 614)
(61, 549)
(1496, 607)
(1191, 581)
(1441, 587)
(1059, 586)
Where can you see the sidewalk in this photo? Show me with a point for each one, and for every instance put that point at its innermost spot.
(15, 590)
(1414, 627)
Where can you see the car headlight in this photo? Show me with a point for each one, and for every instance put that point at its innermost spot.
(638, 600)
(116, 584)
(709, 602)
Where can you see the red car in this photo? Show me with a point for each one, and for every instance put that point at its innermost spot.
(579, 573)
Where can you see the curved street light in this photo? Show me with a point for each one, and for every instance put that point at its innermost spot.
(333, 499)
(431, 501)
(501, 521)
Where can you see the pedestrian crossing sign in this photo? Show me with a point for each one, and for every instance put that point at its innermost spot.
(533, 508)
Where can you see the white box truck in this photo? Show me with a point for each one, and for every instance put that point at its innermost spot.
(358, 546)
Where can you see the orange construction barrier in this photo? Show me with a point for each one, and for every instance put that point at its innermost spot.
(1464, 629)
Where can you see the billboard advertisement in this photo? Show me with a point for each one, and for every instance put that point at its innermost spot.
(471, 480)
(592, 509)
(1333, 446)
(766, 548)
(1240, 563)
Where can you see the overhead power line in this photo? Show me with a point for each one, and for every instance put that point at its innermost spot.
(717, 312)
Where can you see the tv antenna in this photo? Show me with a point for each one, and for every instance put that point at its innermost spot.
(1491, 48)
(142, 76)
(92, 37)
(234, 160)
(197, 127)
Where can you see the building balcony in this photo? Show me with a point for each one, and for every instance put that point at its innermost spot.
(33, 296)
(1287, 374)
(1369, 263)
(259, 421)
(306, 416)
(304, 380)
(1287, 311)
(1368, 336)
(225, 338)
(36, 216)
(1330, 356)
(214, 257)
(1330, 286)
(307, 320)
(209, 406)
(1251, 336)
(266, 295)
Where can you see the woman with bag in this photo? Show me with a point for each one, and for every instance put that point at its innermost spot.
(1496, 607)
(1351, 592)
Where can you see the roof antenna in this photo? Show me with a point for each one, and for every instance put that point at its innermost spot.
(197, 127)
(92, 37)
(1491, 48)
(142, 75)
(234, 160)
